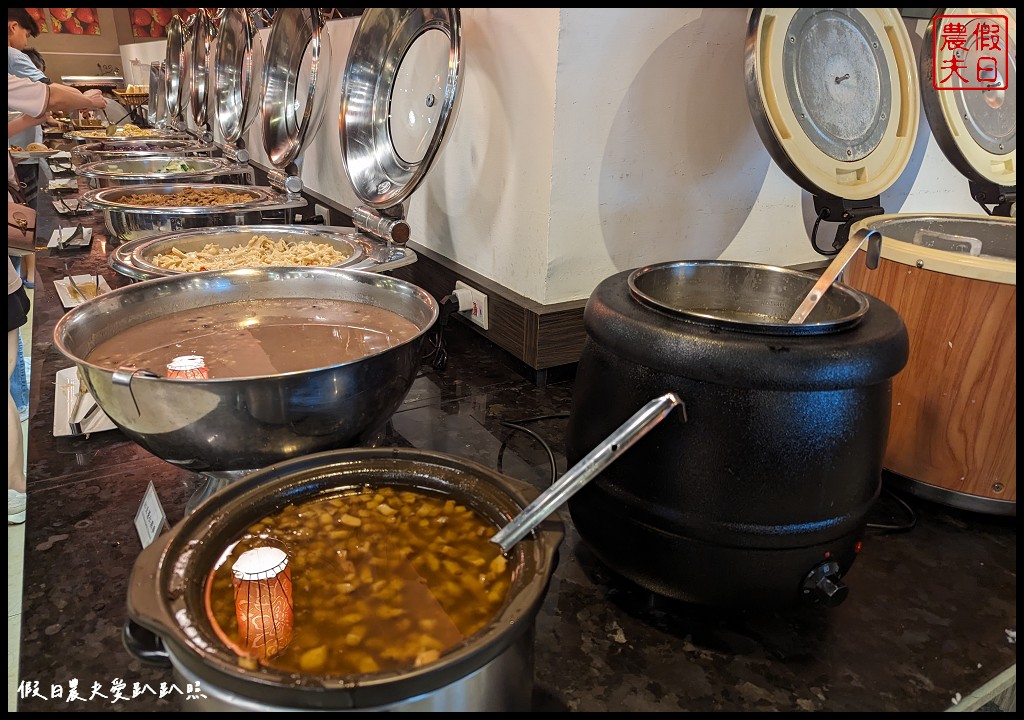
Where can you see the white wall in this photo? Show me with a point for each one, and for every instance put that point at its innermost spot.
(592, 141)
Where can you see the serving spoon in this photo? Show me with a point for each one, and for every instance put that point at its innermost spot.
(623, 438)
(874, 240)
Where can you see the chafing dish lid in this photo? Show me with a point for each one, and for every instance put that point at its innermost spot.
(402, 89)
(834, 96)
(237, 69)
(204, 33)
(296, 71)
(177, 62)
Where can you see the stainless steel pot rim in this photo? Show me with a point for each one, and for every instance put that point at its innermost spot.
(94, 135)
(855, 303)
(140, 250)
(202, 167)
(160, 145)
(266, 491)
(262, 198)
(211, 282)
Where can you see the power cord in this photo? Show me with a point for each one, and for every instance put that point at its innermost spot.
(517, 425)
(460, 300)
(887, 528)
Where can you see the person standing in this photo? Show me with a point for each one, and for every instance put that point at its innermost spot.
(20, 27)
(33, 100)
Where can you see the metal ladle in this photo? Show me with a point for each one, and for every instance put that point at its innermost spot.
(874, 240)
(586, 469)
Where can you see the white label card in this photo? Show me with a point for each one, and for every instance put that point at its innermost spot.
(150, 520)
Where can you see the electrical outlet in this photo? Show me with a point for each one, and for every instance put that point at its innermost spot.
(478, 313)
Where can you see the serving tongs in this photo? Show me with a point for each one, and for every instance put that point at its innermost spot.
(77, 234)
(587, 469)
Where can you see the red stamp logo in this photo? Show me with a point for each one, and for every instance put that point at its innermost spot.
(971, 52)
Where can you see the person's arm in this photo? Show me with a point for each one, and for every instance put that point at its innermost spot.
(18, 63)
(64, 99)
(24, 122)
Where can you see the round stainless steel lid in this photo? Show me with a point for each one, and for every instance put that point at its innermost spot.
(834, 95)
(176, 64)
(156, 111)
(296, 72)
(237, 69)
(401, 94)
(204, 35)
(975, 128)
(144, 255)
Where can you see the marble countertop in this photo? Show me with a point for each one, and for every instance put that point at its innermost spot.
(927, 617)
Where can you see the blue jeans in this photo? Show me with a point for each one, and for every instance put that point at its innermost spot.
(19, 381)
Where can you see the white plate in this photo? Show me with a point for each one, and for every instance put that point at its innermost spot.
(70, 206)
(66, 233)
(64, 185)
(64, 400)
(69, 298)
(27, 154)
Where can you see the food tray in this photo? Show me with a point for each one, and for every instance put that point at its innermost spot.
(131, 99)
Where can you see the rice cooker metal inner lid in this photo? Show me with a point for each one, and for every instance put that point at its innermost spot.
(401, 93)
(975, 128)
(834, 95)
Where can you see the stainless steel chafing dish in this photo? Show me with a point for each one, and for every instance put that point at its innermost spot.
(137, 148)
(126, 222)
(137, 259)
(162, 168)
(94, 134)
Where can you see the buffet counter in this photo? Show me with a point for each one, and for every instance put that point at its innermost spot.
(931, 615)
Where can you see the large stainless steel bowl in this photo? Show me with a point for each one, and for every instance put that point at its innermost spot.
(161, 169)
(246, 423)
(134, 148)
(144, 254)
(126, 222)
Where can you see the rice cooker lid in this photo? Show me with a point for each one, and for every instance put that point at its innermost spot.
(834, 95)
(401, 93)
(976, 129)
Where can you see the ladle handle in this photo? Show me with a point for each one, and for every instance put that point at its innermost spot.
(838, 264)
(585, 470)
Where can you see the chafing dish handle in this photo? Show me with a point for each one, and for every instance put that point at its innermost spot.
(392, 230)
(144, 644)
